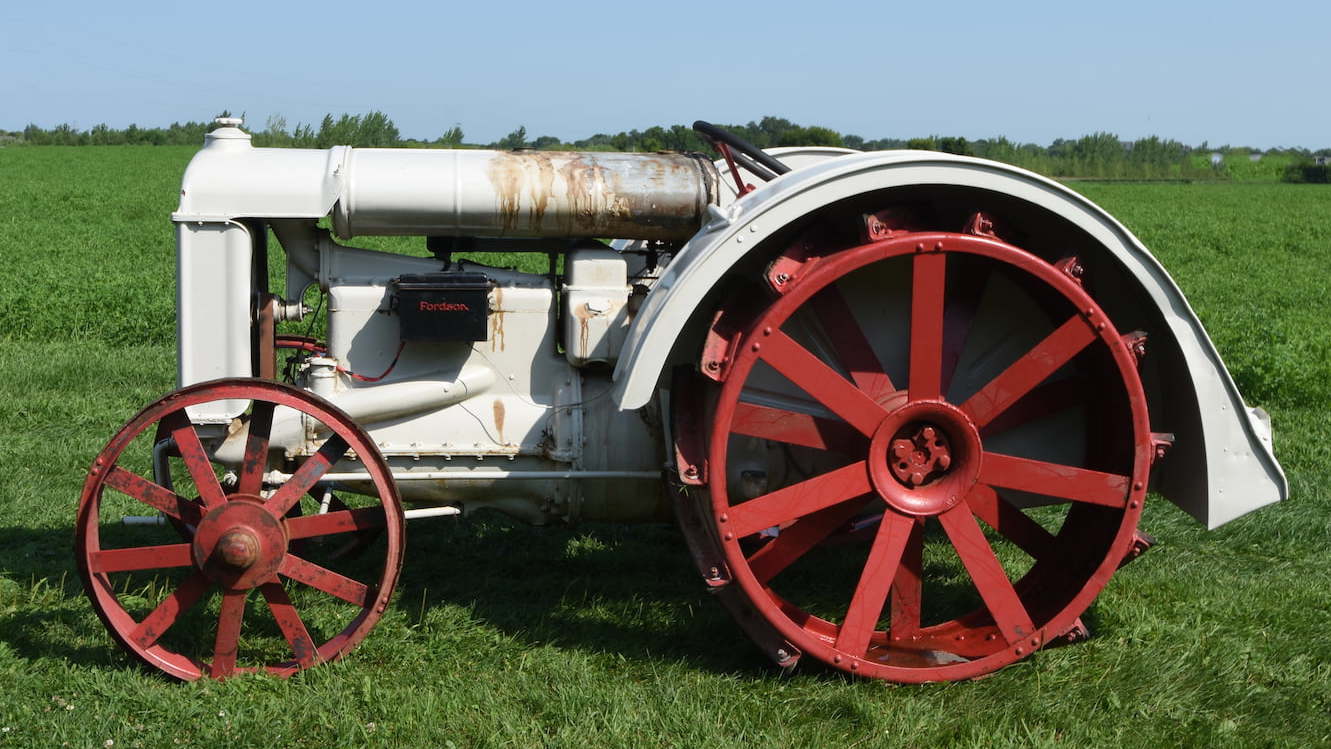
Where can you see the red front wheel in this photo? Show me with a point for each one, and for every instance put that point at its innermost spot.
(250, 586)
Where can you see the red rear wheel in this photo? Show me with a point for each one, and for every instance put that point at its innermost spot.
(242, 534)
(900, 394)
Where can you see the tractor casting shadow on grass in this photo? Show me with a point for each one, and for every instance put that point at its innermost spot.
(598, 588)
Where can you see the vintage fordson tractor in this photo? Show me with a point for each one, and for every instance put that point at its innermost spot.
(901, 403)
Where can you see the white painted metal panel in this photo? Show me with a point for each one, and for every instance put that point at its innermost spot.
(213, 302)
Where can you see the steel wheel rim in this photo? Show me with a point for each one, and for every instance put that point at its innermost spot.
(137, 637)
(820, 637)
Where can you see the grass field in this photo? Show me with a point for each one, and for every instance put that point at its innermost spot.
(601, 635)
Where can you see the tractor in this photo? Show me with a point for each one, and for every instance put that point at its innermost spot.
(905, 406)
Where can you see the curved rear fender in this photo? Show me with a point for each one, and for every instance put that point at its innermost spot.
(1221, 466)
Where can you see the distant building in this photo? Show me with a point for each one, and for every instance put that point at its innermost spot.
(1217, 158)
(1322, 160)
(1255, 156)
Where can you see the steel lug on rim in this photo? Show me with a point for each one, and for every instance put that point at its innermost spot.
(1141, 543)
(887, 223)
(1161, 443)
(1078, 632)
(1072, 268)
(785, 270)
(1136, 344)
(980, 225)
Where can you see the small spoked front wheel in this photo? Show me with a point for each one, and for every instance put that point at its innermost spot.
(257, 583)
(926, 456)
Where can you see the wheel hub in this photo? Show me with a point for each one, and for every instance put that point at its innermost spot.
(238, 548)
(240, 545)
(920, 454)
(924, 458)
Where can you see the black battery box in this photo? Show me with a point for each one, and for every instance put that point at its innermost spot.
(436, 307)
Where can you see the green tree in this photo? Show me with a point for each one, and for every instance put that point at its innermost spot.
(514, 140)
(452, 137)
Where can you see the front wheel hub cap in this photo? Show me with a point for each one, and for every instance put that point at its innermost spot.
(240, 545)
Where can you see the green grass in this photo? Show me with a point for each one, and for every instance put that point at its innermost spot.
(601, 635)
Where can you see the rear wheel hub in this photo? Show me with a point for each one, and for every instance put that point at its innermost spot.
(924, 458)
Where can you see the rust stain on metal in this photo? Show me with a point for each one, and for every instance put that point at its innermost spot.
(506, 176)
(584, 315)
(558, 193)
(499, 419)
(541, 188)
(497, 321)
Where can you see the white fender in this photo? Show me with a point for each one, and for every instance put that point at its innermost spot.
(1222, 465)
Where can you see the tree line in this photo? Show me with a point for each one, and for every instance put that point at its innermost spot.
(1100, 155)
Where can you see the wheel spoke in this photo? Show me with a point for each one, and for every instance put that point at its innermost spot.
(307, 475)
(987, 574)
(798, 500)
(196, 458)
(795, 541)
(326, 580)
(926, 326)
(794, 428)
(850, 344)
(288, 620)
(228, 633)
(133, 485)
(1030, 370)
(256, 448)
(337, 521)
(908, 587)
(141, 558)
(825, 384)
(866, 605)
(1009, 521)
(1054, 480)
(182, 599)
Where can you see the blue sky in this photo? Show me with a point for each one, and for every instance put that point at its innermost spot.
(1254, 74)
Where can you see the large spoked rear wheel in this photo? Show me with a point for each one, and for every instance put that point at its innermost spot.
(925, 458)
(258, 582)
